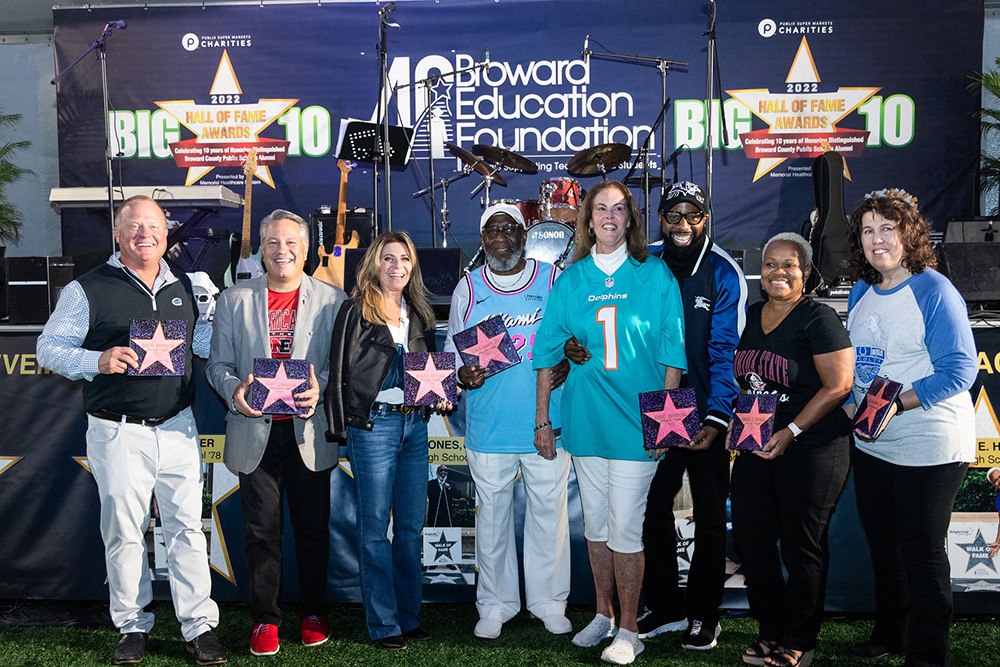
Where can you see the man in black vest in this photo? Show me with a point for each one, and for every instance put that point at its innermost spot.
(141, 437)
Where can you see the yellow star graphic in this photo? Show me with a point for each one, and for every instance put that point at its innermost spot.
(225, 131)
(801, 124)
(6, 462)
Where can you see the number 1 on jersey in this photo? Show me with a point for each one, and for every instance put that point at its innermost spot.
(607, 315)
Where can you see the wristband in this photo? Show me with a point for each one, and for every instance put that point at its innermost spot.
(542, 425)
(794, 428)
(899, 405)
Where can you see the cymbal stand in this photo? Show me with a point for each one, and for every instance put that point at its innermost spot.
(663, 65)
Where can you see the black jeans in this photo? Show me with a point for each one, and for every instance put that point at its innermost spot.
(788, 500)
(281, 471)
(905, 512)
(708, 475)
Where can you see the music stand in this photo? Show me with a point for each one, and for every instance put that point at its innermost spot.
(361, 141)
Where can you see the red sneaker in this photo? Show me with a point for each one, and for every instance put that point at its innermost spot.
(264, 639)
(315, 631)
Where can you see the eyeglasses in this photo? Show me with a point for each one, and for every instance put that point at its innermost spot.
(674, 218)
(506, 230)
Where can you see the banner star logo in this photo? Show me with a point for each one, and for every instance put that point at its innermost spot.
(670, 419)
(442, 548)
(682, 545)
(801, 124)
(224, 132)
(873, 404)
(979, 552)
(752, 421)
(487, 349)
(158, 349)
(430, 378)
(279, 388)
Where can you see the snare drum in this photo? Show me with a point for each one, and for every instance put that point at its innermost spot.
(548, 241)
(528, 207)
(560, 198)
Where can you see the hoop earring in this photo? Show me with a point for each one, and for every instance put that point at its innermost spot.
(590, 232)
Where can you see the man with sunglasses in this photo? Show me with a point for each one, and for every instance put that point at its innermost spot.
(714, 294)
(499, 436)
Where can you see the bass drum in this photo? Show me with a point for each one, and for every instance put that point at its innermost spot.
(549, 241)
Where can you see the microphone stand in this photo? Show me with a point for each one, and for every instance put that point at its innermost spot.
(382, 117)
(663, 65)
(428, 116)
(109, 154)
(709, 112)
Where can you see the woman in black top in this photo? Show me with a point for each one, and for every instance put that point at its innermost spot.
(798, 349)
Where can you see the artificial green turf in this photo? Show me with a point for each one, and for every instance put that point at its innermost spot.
(524, 642)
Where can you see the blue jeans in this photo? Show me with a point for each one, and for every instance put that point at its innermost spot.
(390, 479)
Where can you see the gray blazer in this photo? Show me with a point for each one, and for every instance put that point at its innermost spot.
(240, 335)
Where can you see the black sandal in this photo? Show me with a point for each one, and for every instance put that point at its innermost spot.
(784, 657)
(756, 652)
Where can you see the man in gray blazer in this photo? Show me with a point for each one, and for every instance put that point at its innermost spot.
(282, 315)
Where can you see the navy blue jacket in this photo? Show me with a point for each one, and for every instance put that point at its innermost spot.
(715, 307)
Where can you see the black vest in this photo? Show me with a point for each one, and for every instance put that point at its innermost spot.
(115, 298)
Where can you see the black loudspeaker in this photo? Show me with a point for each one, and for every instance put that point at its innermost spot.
(973, 268)
(440, 268)
(974, 230)
(360, 220)
(34, 285)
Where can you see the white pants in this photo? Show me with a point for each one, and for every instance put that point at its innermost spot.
(130, 463)
(546, 533)
(613, 494)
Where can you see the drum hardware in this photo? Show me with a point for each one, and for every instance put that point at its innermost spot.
(560, 199)
(529, 208)
(504, 158)
(470, 163)
(598, 159)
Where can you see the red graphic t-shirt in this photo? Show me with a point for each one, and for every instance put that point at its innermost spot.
(281, 309)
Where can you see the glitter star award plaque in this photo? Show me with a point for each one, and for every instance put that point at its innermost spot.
(275, 382)
(489, 345)
(874, 408)
(160, 344)
(669, 417)
(429, 377)
(753, 422)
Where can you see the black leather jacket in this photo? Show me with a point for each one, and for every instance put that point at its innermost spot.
(361, 354)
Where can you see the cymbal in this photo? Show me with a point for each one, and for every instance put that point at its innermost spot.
(477, 165)
(590, 160)
(504, 157)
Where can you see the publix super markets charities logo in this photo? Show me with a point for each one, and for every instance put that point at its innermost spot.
(192, 41)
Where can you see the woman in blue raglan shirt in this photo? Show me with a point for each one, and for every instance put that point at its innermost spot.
(908, 323)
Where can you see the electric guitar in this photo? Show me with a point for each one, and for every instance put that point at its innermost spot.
(248, 266)
(331, 265)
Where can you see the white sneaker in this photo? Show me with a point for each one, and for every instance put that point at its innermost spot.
(557, 624)
(623, 649)
(488, 628)
(596, 631)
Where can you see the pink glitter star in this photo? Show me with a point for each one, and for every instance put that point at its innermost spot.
(158, 348)
(873, 403)
(280, 387)
(752, 421)
(670, 420)
(430, 379)
(487, 349)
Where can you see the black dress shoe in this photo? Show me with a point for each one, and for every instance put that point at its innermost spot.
(207, 649)
(417, 634)
(131, 648)
(394, 643)
(871, 650)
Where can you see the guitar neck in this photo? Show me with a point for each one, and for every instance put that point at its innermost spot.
(245, 244)
(342, 209)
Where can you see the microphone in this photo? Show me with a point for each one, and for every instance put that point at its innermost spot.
(487, 56)
(121, 25)
(391, 7)
(586, 51)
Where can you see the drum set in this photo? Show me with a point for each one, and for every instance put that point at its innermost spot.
(551, 219)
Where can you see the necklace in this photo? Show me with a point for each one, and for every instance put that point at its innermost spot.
(764, 314)
(503, 284)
